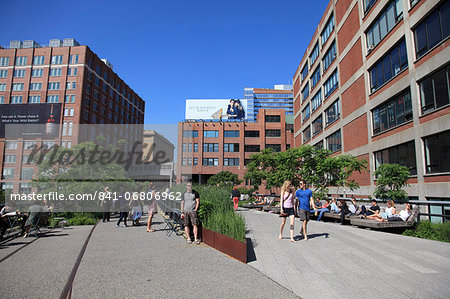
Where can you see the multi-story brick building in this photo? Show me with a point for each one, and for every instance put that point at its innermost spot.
(374, 82)
(72, 78)
(206, 148)
(280, 97)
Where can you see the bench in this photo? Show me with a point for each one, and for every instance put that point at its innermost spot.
(389, 224)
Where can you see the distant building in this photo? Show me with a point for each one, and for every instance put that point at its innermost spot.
(280, 97)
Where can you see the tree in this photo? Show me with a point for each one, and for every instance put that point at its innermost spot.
(391, 178)
(224, 179)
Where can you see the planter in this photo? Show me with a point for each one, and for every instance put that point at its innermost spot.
(225, 244)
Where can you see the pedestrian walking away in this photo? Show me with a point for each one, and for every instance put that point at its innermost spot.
(306, 203)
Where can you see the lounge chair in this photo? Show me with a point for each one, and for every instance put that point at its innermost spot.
(389, 224)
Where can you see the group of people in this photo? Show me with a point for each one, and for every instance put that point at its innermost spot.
(235, 110)
(301, 203)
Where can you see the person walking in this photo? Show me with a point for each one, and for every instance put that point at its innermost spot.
(123, 209)
(306, 203)
(152, 206)
(287, 208)
(236, 195)
(105, 205)
(190, 201)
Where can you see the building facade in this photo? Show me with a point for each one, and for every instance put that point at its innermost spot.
(74, 79)
(374, 82)
(280, 97)
(206, 148)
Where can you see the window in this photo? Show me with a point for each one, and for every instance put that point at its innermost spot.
(389, 66)
(3, 73)
(29, 145)
(97, 81)
(195, 161)
(195, 147)
(210, 162)
(189, 161)
(2, 87)
(26, 159)
(305, 113)
(437, 152)
(11, 145)
(210, 147)
(35, 86)
(2, 99)
(393, 112)
(231, 162)
(67, 128)
(57, 59)
(273, 133)
(71, 85)
(48, 144)
(16, 100)
(10, 159)
(329, 57)
(4, 61)
(317, 125)
(434, 92)
(251, 133)
(190, 147)
(19, 73)
(403, 154)
(73, 71)
(334, 141)
(68, 111)
(17, 86)
(27, 174)
(53, 99)
(331, 84)
(327, 31)
(304, 72)
(73, 59)
(384, 23)
(306, 134)
(37, 72)
(316, 101)
(252, 148)
(368, 4)
(305, 92)
(8, 173)
(38, 60)
(315, 78)
(55, 72)
(210, 134)
(231, 147)
(273, 118)
(70, 98)
(274, 147)
(432, 30)
(184, 147)
(319, 144)
(332, 113)
(34, 99)
(229, 134)
(21, 60)
(53, 85)
(314, 54)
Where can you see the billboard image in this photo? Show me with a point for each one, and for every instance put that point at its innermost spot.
(35, 120)
(231, 109)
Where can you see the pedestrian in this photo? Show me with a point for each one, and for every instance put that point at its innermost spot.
(123, 209)
(306, 203)
(190, 201)
(105, 205)
(236, 195)
(152, 206)
(287, 209)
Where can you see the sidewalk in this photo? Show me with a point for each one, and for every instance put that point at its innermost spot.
(129, 263)
(347, 262)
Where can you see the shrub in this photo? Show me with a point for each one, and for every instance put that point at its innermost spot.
(432, 231)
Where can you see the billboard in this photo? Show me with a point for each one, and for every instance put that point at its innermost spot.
(35, 120)
(231, 109)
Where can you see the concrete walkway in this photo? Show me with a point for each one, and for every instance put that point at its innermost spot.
(348, 262)
(126, 263)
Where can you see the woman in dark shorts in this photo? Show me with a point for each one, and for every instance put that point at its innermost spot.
(288, 207)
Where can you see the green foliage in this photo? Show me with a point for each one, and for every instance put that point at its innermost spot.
(82, 220)
(225, 179)
(2, 196)
(391, 178)
(315, 165)
(244, 190)
(432, 231)
(71, 218)
(205, 208)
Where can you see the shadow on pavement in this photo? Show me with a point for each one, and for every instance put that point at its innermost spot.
(251, 256)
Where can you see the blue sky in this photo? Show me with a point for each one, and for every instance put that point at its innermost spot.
(173, 50)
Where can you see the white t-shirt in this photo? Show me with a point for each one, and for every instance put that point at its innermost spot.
(404, 214)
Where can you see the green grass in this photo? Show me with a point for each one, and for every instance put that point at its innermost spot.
(432, 231)
(75, 218)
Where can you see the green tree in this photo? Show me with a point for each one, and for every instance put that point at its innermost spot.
(225, 179)
(391, 178)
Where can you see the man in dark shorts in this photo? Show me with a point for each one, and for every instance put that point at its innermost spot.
(189, 207)
(374, 209)
(306, 202)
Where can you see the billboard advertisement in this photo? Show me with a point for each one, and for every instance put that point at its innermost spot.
(35, 120)
(227, 109)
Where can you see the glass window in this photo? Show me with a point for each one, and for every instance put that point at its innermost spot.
(316, 101)
(3, 73)
(27, 174)
(434, 90)
(251, 133)
(331, 84)
(332, 113)
(317, 125)
(437, 152)
(38, 60)
(334, 141)
(21, 60)
(328, 29)
(306, 113)
(210, 147)
(4, 61)
(251, 148)
(305, 92)
(19, 73)
(229, 133)
(231, 162)
(273, 118)
(329, 57)
(305, 71)
(16, 100)
(190, 133)
(273, 133)
(368, 4)
(314, 54)
(315, 78)
(210, 162)
(211, 134)
(274, 147)
(57, 59)
(306, 134)
(403, 154)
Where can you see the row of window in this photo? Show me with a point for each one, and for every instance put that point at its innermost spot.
(332, 113)
(54, 72)
(38, 86)
(39, 60)
(26, 174)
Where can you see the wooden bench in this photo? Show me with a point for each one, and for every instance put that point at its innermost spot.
(389, 224)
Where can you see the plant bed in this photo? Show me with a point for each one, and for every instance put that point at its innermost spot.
(225, 244)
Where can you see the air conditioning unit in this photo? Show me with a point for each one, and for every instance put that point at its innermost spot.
(370, 48)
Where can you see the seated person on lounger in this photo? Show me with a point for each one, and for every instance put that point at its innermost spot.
(402, 216)
(325, 208)
(260, 201)
(388, 212)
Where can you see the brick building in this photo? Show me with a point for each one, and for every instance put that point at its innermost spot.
(374, 82)
(206, 148)
(69, 76)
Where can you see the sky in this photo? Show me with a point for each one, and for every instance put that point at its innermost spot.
(172, 50)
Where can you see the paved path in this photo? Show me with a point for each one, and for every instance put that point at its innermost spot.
(127, 263)
(348, 262)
